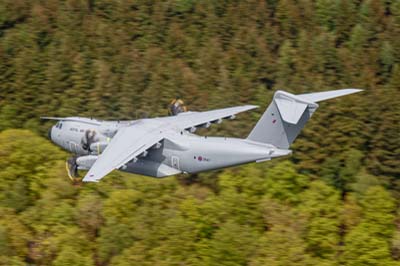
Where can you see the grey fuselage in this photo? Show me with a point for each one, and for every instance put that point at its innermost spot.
(180, 152)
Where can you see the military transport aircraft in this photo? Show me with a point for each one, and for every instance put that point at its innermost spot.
(165, 146)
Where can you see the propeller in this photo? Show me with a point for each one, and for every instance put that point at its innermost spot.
(88, 139)
(176, 106)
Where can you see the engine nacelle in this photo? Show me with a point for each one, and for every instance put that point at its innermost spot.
(98, 147)
(85, 162)
(109, 129)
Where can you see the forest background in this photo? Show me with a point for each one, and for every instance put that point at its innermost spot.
(334, 202)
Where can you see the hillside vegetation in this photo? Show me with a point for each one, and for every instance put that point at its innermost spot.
(334, 202)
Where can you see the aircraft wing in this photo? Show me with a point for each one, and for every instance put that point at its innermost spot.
(132, 141)
(52, 118)
(127, 144)
(194, 119)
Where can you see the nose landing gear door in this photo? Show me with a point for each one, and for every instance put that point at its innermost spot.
(175, 162)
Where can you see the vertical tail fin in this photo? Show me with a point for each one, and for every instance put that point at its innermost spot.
(287, 115)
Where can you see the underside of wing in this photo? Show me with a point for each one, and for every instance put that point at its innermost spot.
(129, 143)
(195, 119)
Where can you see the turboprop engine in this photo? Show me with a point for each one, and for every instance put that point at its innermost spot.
(98, 147)
(79, 163)
(85, 162)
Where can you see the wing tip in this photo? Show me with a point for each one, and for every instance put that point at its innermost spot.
(348, 91)
(250, 106)
(51, 118)
(87, 180)
(90, 181)
(352, 90)
(90, 178)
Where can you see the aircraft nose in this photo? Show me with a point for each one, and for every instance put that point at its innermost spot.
(49, 133)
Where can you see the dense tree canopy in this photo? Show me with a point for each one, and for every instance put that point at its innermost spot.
(334, 202)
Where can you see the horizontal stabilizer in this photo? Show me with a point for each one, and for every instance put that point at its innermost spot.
(326, 95)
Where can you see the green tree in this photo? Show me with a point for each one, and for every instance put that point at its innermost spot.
(321, 205)
(378, 211)
(25, 160)
(69, 257)
(14, 236)
(282, 244)
(363, 248)
(232, 245)
(332, 203)
(117, 233)
(326, 11)
(384, 157)
(286, 63)
(285, 184)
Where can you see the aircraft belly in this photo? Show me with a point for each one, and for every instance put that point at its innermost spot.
(150, 168)
(203, 155)
(213, 153)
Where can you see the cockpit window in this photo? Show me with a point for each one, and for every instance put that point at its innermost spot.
(60, 125)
